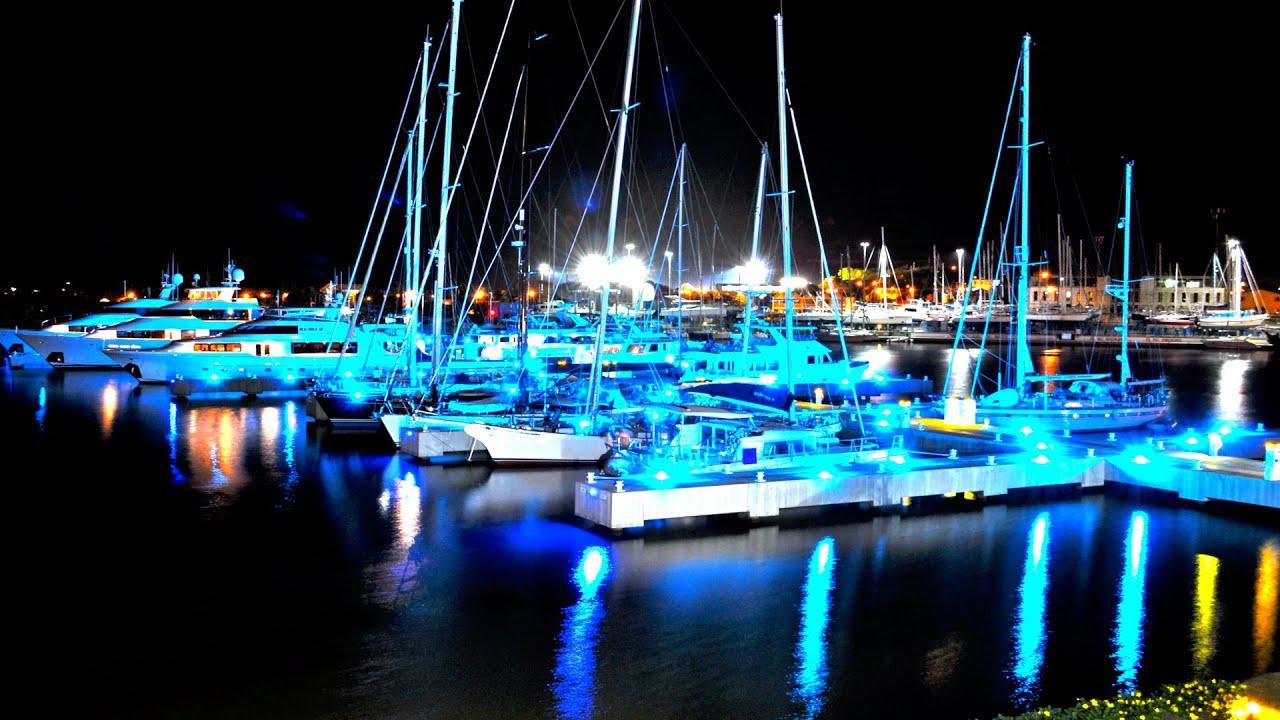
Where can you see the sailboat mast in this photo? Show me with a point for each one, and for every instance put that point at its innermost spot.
(1237, 280)
(437, 304)
(755, 252)
(1022, 251)
(415, 162)
(680, 247)
(1124, 287)
(593, 389)
(787, 301)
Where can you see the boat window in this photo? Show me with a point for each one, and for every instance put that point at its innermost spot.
(217, 347)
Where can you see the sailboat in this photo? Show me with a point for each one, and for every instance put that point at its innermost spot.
(1235, 317)
(1089, 402)
(883, 312)
(588, 440)
(1174, 316)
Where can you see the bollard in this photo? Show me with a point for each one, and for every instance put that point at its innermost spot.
(991, 459)
(1090, 452)
(759, 476)
(1160, 444)
(617, 485)
(591, 477)
(1066, 432)
(727, 471)
(953, 454)
(1111, 436)
(880, 468)
(999, 437)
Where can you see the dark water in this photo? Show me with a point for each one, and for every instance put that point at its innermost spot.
(225, 559)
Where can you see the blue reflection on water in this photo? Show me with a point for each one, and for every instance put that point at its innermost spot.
(1029, 633)
(574, 683)
(290, 437)
(810, 679)
(1131, 611)
(42, 407)
(178, 477)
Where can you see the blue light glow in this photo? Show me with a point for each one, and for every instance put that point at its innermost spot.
(1029, 632)
(810, 678)
(1131, 610)
(574, 684)
(290, 436)
(178, 477)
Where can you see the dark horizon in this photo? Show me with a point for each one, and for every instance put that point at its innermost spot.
(263, 138)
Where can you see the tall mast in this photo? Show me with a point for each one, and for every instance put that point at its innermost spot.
(415, 163)
(680, 249)
(439, 251)
(1022, 251)
(1124, 287)
(755, 251)
(593, 389)
(1233, 257)
(787, 301)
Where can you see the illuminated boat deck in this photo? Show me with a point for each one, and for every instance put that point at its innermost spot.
(974, 462)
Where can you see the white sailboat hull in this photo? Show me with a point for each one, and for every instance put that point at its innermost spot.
(1242, 321)
(520, 446)
(1099, 419)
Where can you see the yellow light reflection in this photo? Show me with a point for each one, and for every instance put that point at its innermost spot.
(110, 403)
(1231, 390)
(1205, 621)
(1264, 606)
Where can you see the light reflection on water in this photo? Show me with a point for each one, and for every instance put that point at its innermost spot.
(575, 671)
(810, 679)
(1029, 631)
(1266, 592)
(730, 596)
(1131, 609)
(1204, 624)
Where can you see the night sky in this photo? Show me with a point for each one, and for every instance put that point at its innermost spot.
(137, 138)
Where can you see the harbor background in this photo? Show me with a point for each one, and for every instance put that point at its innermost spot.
(215, 558)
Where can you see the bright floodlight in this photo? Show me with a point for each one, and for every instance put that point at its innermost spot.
(628, 271)
(593, 271)
(793, 282)
(754, 272)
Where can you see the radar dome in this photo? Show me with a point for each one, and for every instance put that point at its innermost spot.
(177, 278)
(238, 275)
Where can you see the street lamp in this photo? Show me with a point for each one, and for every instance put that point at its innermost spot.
(864, 245)
(960, 267)
(668, 255)
(630, 247)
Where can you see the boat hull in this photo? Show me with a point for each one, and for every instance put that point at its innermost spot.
(1098, 419)
(526, 447)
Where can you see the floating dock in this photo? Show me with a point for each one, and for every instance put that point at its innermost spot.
(936, 460)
